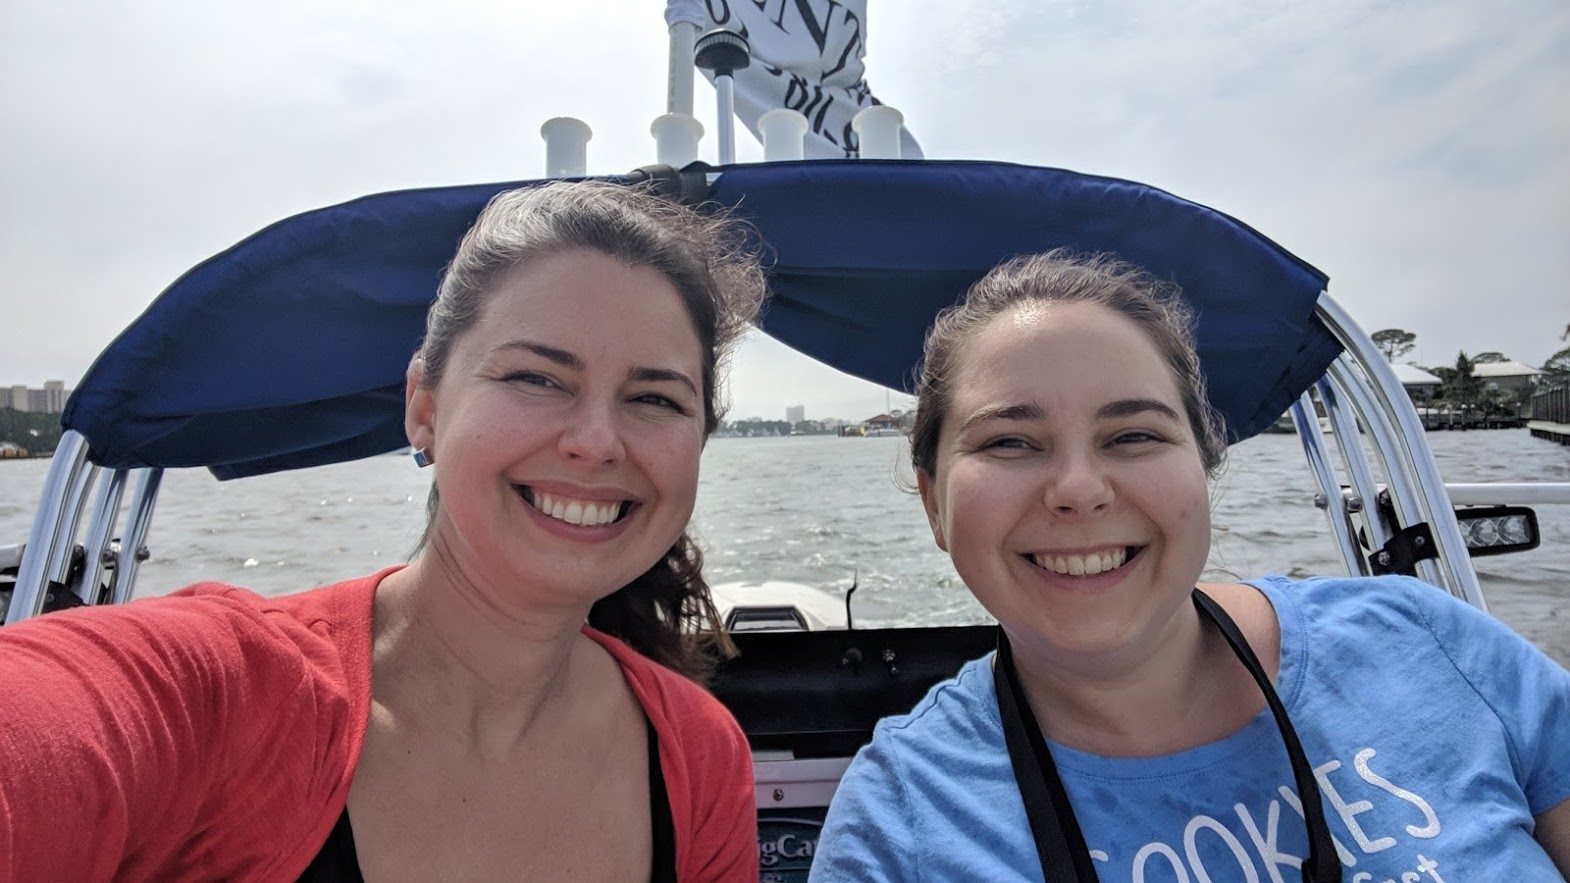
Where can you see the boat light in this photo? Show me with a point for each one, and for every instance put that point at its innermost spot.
(1495, 530)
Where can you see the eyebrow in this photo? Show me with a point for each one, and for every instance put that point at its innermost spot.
(559, 356)
(1003, 412)
(663, 375)
(569, 360)
(1109, 411)
(1131, 407)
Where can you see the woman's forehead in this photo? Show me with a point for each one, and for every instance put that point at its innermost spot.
(1068, 353)
(1035, 332)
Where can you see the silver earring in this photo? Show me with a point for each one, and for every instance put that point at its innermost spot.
(422, 457)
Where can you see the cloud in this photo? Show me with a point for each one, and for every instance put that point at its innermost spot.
(1419, 153)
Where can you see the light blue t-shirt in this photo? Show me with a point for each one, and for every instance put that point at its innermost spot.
(1435, 732)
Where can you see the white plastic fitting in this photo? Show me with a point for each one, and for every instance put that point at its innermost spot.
(782, 131)
(877, 130)
(566, 147)
(676, 137)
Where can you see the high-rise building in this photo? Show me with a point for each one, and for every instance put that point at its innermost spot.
(54, 396)
(794, 414)
(49, 400)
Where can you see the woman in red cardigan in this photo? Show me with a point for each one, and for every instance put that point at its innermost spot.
(521, 700)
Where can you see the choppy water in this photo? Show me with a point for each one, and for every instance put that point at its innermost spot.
(814, 510)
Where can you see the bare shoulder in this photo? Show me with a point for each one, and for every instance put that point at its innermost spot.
(1254, 615)
(680, 708)
(1553, 832)
(600, 686)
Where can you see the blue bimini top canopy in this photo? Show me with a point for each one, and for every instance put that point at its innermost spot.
(289, 349)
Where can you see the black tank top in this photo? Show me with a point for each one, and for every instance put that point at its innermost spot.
(337, 862)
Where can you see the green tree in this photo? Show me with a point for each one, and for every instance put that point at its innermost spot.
(1558, 367)
(1489, 357)
(1394, 342)
(38, 433)
(1495, 402)
(1462, 388)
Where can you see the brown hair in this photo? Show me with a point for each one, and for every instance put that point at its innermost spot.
(666, 613)
(1060, 277)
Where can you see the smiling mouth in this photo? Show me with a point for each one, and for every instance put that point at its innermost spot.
(1088, 564)
(587, 513)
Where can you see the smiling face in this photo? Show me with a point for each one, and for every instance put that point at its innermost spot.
(1068, 486)
(566, 429)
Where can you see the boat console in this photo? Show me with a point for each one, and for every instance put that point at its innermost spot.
(807, 700)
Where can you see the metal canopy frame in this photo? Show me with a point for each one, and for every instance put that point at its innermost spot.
(1360, 392)
(52, 545)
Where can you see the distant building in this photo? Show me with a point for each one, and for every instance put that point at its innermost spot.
(795, 414)
(882, 424)
(1507, 376)
(49, 400)
(1419, 384)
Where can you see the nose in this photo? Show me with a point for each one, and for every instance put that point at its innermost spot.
(592, 435)
(1079, 486)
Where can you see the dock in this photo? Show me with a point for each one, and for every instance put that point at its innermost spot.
(1440, 422)
(1551, 415)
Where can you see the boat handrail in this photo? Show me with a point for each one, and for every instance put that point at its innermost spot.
(1329, 497)
(132, 552)
(1401, 477)
(100, 534)
(49, 542)
(1344, 423)
(1416, 473)
(1509, 493)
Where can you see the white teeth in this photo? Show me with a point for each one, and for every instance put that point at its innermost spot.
(1082, 565)
(585, 512)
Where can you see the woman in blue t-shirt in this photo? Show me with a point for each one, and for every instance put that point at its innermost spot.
(1132, 727)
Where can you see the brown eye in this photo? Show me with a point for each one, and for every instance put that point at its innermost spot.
(1007, 443)
(660, 401)
(531, 378)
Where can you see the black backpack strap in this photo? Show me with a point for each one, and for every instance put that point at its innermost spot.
(1060, 845)
(1322, 865)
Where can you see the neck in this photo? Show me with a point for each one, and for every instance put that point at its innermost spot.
(1181, 689)
(452, 657)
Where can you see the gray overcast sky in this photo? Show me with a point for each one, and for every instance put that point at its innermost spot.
(1418, 152)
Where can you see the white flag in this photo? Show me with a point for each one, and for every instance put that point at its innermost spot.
(806, 56)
